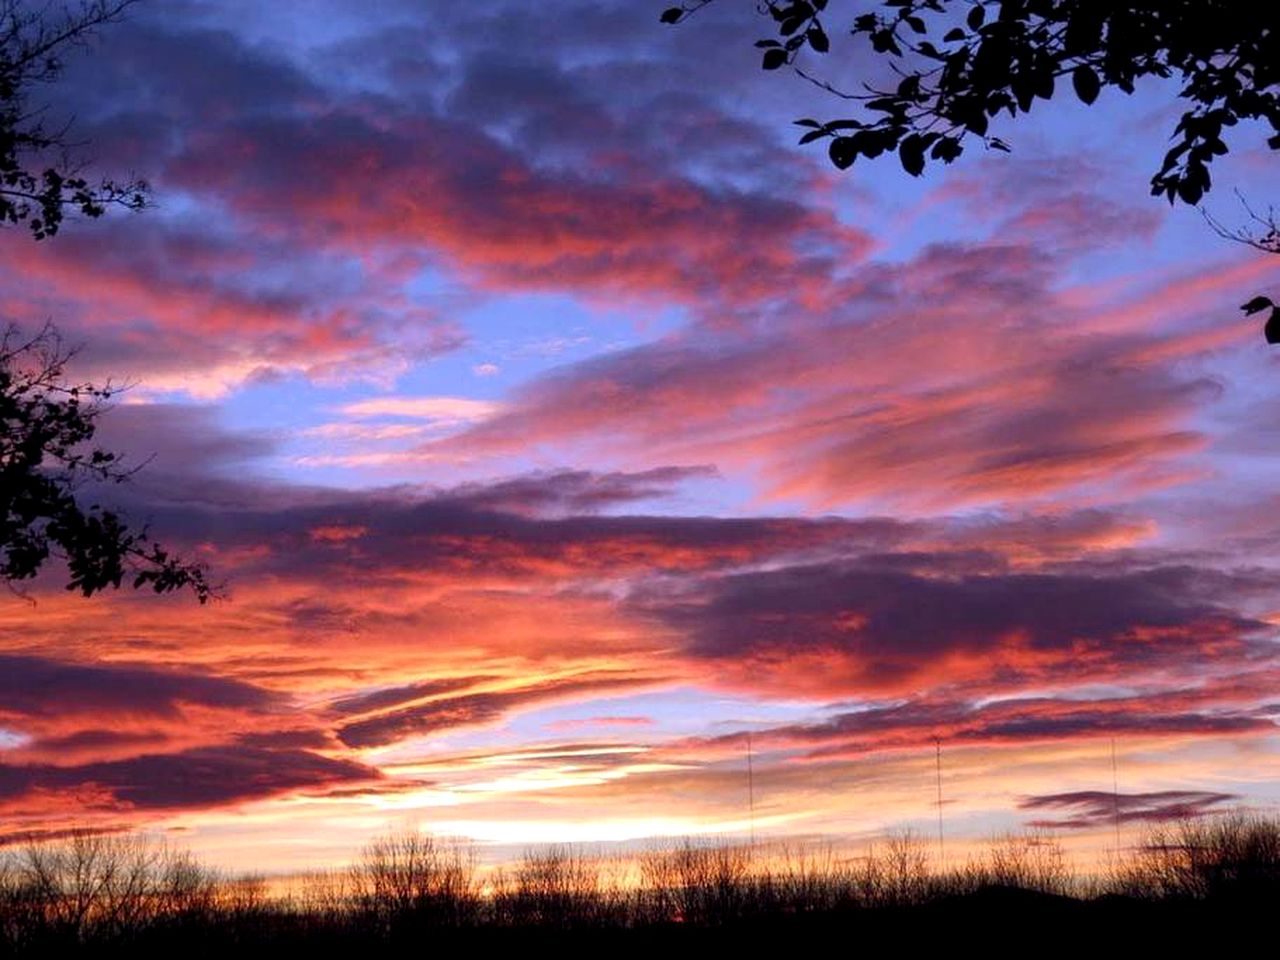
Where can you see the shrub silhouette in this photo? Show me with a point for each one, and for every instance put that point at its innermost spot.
(129, 895)
(557, 887)
(1235, 857)
(95, 886)
(1033, 861)
(704, 885)
(413, 879)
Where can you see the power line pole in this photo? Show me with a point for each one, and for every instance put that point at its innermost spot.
(937, 751)
(1115, 793)
(751, 792)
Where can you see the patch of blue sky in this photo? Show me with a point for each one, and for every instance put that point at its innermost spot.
(678, 712)
(682, 711)
(527, 334)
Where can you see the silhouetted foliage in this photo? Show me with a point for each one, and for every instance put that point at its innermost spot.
(93, 887)
(957, 66)
(1232, 857)
(961, 64)
(558, 888)
(47, 424)
(1263, 234)
(46, 428)
(414, 879)
(39, 180)
(700, 884)
(123, 895)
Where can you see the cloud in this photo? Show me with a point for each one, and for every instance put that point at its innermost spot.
(298, 226)
(572, 492)
(383, 699)
(69, 714)
(446, 409)
(200, 488)
(960, 378)
(881, 728)
(162, 440)
(1054, 203)
(199, 778)
(899, 623)
(39, 686)
(474, 709)
(1091, 809)
(579, 723)
(165, 305)
(11, 837)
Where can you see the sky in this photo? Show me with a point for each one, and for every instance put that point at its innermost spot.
(554, 422)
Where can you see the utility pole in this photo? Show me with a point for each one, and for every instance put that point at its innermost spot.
(751, 792)
(937, 752)
(1115, 793)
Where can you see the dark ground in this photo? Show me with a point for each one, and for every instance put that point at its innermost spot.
(993, 922)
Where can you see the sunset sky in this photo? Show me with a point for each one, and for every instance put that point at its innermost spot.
(555, 421)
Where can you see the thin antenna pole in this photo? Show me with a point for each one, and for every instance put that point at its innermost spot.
(751, 791)
(937, 752)
(1115, 793)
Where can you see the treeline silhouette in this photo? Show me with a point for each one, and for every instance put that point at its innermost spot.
(128, 895)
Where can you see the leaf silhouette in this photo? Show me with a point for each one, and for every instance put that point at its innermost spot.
(1256, 305)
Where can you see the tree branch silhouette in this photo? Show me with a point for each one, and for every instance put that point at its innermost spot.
(961, 64)
(39, 181)
(47, 426)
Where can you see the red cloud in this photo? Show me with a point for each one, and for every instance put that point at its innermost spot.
(961, 378)
(896, 624)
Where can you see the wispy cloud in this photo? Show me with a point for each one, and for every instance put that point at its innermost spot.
(444, 410)
(1093, 808)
